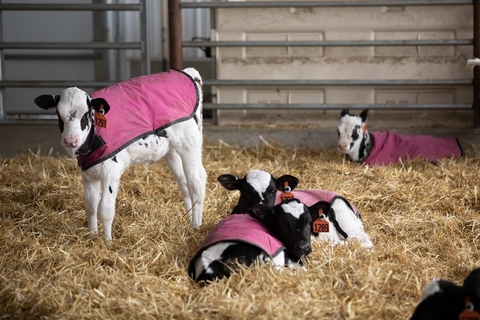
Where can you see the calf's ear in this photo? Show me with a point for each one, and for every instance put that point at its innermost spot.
(47, 101)
(318, 208)
(364, 115)
(286, 180)
(263, 213)
(344, 113)
(229, 181)
(99, 104)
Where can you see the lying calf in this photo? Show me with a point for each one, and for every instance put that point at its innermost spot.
(280, 234)
(386, 147)
(134, 122)
(446, 300)
(343, 219)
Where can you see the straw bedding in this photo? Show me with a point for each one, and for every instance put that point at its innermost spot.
(422, 218)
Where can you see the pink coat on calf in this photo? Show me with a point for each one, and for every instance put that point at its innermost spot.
(242, 227)
(139, 107)
(389, 147)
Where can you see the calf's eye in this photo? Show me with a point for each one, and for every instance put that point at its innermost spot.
(84, 121)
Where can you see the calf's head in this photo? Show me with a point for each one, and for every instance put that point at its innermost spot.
(75, 110)
(290, 222)
(446, 300)
(258, 186)
(350, 132)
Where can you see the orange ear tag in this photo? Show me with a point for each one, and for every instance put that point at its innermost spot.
(321, 225)
(469, 313)
(286, 195)
(100, 119)
(364, 127)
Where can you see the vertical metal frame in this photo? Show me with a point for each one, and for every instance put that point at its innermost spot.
(476, 70)
(2, 69)
(145, 37)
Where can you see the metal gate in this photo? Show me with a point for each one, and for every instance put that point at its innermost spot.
(142, 46)
(176, 48)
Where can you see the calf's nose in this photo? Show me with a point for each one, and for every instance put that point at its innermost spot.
(342, 146)
(304, 247)
(71, 142)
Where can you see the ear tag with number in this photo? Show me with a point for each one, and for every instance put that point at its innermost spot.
(321, 225)
(469, 313)
(100, 119)
(286, 194)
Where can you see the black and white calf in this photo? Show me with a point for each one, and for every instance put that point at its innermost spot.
(258, 186)
(137, 121)
(280, 234)
(353, 137)
(343, 219)
(445, 300)
(386, 147)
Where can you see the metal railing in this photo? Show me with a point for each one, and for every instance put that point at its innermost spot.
(142, 46)
(475, 42)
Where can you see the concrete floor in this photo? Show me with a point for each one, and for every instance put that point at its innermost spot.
(16, 139)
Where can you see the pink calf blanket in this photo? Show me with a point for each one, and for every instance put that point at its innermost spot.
(244, 228)
(311, 197)
(139, 107)
(389, 147)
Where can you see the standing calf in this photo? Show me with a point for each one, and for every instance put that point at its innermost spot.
(280, 234)
(134, 122)
(386, 147)
(258, 186)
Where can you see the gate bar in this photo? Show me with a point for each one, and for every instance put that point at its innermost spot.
(331, 43)
(333, 106)
(311, 4)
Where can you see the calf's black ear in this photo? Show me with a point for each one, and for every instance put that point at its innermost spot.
(47, 101)
(319, 208)
(344, 113)
(286, 180)
(364, 115)
(263, 213)
(229, 181)
(99, 104)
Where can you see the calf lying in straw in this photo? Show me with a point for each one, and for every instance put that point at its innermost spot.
(280, 234)
(334, 218)
(149, 118)
(386, 147)
(446, 300)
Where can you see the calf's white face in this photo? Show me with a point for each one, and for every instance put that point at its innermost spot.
(351, 130)
(75, 119)
(75, 111)
(349, 133)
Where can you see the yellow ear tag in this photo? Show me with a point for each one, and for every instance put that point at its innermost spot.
(321, 225)
(469, 313)
(100, 119)
(286, 195)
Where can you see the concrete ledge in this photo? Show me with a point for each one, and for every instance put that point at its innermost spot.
(16, 139)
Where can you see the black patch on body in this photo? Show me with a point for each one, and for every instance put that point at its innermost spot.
(114, 158)
(110, 189)
(161, 133)
(235, 254)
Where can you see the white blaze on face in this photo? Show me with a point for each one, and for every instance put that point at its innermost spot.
(296, 209)
(349, 133)
(259, 180)
(71, 108)
(431, 288)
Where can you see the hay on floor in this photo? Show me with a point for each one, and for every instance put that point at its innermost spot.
(422, 218)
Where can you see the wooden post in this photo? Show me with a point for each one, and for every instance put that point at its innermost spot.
(175, 34)
(476, 70)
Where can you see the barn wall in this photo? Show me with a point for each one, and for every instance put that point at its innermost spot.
(335, 63)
